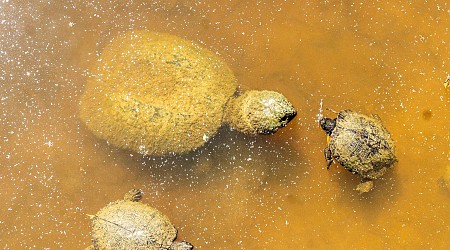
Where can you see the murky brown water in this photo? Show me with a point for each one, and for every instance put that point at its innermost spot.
(386, 57)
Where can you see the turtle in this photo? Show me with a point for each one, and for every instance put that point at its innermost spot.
(360, 143)
(159, 94)
(444, 181)
(130, 224)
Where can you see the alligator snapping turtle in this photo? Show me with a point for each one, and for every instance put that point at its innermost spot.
(129, 224)
(361, 144)
(156, 94)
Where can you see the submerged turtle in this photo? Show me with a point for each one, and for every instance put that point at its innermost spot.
(129, 224)
(444, 181)
(359, 143)
(156, 93)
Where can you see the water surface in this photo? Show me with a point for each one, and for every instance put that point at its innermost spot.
(237, 192)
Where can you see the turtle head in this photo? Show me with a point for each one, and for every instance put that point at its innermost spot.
(327, 124)
(259, 112)
(133, 195)
(181, 245)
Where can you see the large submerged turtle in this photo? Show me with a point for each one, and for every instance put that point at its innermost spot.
(156, 93)
(359, 143)
(129, 224)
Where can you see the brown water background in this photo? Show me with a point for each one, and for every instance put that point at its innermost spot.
(237, 192)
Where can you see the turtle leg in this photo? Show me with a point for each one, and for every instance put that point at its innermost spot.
(365, 186)
(327, 153)
(180, 245)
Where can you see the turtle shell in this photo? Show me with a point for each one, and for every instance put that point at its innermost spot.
(362, 144)
(127, 224)
(156, 93)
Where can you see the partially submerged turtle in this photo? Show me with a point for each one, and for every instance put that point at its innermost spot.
(156, 93)
(444, 181)
(361, 144)
(129, 224)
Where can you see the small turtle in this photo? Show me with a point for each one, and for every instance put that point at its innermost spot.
(158, 94)
(129, 224)
(361, 144)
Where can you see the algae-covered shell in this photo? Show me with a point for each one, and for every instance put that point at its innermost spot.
(156, 94)
(361, 144)
(130, 224)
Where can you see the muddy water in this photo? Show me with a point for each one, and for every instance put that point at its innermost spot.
(237, 192)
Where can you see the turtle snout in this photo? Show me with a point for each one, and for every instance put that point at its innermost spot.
(288, 116)
(327, 124)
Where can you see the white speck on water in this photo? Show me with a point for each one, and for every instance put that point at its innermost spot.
(320, 114)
